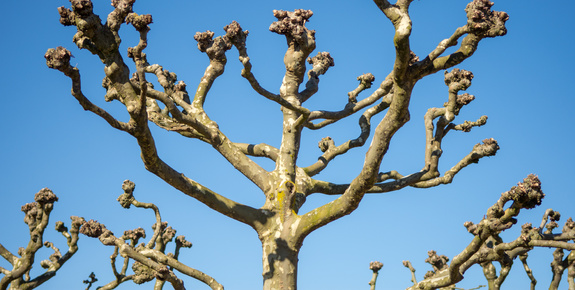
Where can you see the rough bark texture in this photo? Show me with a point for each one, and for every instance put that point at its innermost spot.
(278, 223)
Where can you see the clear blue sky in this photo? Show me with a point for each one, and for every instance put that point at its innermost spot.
(522, 82)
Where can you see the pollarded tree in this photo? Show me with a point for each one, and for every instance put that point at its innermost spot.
(151, 261)
(279, 223)
(37, 216)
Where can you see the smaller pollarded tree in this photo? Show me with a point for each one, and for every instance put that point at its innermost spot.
(37, 215)
(150, 260)
(487, 246)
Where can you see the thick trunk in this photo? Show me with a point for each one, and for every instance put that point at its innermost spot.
(279, 264)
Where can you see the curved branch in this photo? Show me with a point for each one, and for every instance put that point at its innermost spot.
(331, 151)
(418, 180)
(37, 217)
(397, 115)
(482, 23)
(237, 37)
(182, 268)
(320, 64)
(258, 150)
(152, 259)
(528, 270)
(352, 106)
(59, 59)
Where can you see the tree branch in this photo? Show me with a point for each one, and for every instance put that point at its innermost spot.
(37, 217)
(150, 257)
(331, 151)
(59, 59)
(482, 23)
(353, 105)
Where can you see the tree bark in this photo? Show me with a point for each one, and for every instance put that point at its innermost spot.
(279, 260)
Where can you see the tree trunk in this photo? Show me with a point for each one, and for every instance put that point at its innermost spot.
(279, 263)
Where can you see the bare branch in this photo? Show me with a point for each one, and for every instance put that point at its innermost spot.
(408, 265)
(59, 59)
(148, 258)
(259, 150)
(353, 105)
(482, 23)
(375, 267)
(331, 151)
(528, 270)
(37, 217)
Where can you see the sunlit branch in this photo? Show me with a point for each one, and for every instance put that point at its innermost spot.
(320, 64)
(488, 148)
(258, 150)
(528, 270)
(151, 259)
(59, 59)
(482, 23)
(238, 38)
(353, 105)
(408, 265)
(331, 151)
(375, 267)
(37, 216)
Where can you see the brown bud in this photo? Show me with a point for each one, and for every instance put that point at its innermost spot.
(163, 226)
(484, 22)
(134, 234)
(66, 16)
(375, 266)
(569, 225)
(290, 23)
(325, 144)
(526, 194)
(458, 79)
(32, 213)
(140, 22)
(235, 34)
(92, 229)
(180, 86)
(554, 215)
(123, 5)
(128, 186)
(204, 40)
(181, 240)
(488, 148)
(58, 58)
(60, 227)
(44, 196)
(366, 79)
(82, 7)
(168, 234)
(464, 99)
(321, 62)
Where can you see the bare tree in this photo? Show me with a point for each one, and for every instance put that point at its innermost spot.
(278, 223)
(151, 260)
(488, 247)
(37, 215)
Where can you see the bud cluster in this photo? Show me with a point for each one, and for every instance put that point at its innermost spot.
(484, 22)
(290, 23)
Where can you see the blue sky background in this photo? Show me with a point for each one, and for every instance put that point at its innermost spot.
(522, 82)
